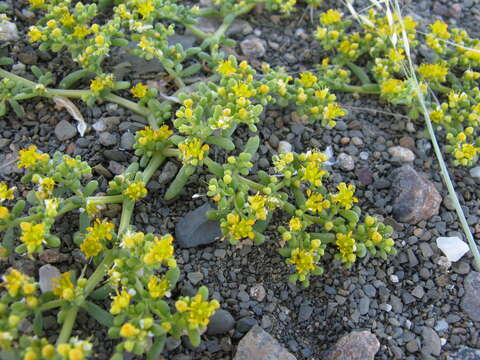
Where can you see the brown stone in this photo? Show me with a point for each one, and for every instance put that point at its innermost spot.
(408, 142)
(260, 345)
(52, 256)
(416, 198)
(358, 345)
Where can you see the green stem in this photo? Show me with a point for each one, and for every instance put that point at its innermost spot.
(52, 305)
(171, 152)
(363, 89)
(360, 73)
(153, 165)
(69, 205)
(99, 272)
(109, 199)
(67, 326)
(49, 93)
(127, 211)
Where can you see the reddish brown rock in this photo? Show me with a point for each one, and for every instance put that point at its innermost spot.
(260, 345)
(358, 345)
(416, 198)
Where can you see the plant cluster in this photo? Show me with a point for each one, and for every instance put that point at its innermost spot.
(138, 271)
(375, 56)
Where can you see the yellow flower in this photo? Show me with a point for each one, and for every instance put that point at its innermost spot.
(330, 17)
(198, 311)
(433, 72)
(345, 195)
(396, 55)
(101, 230)
(295, 224)
(238, 228)
(5, 192)
(101, 82)
(160, 251)
(282, 161)
(392, 86)
(257, 204)
(347, 246)
(91, 246)
(80, 31)
(333, 110)
(308, 79)
(4, 213)
(192, 150)
(440, 29)
(32, 235)
(63, 287)
(437, 115)
(120, 301)
(29, 157)
(14, 281)
(131, 240)
(67, 19)
(128, 330)
(466, 152)
(242, 90)
(158, 288)
(312, 167)
(148, 135)
(303, 260)
(145, 7)
(34, 34)
(315, 202)
(136, 190)
(226, 68)
(139, 91)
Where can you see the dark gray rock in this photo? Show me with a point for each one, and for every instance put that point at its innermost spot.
(471, 301)
(65, 131)
(358, 345)
(194, 229)
(416, 198)
(245, 324)
(220, 323)
(127, 141)
(260, 345)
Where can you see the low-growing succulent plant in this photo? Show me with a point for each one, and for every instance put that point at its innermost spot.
(138, 271)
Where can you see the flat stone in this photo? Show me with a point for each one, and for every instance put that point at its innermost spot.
(416, 198)
(195, 277)
(405, 155)
(253, 47)
(431, 344)
(345, 162)
(258, 292)
(475, 172)
(65, 131)
(46, 274)
(284, 147)
(358, 345)
(194, 229)
(453, 247)
(127, 141)
(107, 139)
(471, 301)
(8, 31)
(167, 173)
(257, 344)
(220, 323)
